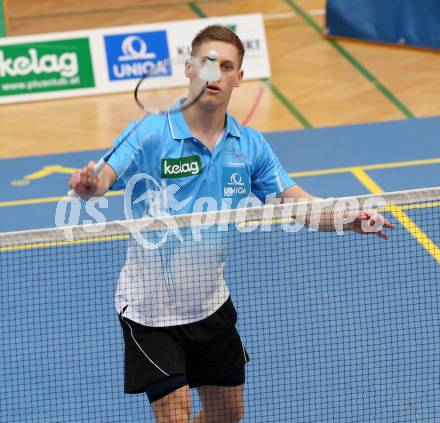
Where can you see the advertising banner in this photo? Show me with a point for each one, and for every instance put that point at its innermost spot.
(45, 66)
(112, 60)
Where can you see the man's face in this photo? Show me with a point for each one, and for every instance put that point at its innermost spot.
(218, 93)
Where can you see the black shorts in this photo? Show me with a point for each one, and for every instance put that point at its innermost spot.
(208, 352)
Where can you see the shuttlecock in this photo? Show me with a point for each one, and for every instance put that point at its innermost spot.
(210, 71)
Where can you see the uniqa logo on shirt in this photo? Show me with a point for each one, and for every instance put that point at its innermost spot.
(181, 167)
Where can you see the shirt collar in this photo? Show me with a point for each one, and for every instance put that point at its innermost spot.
(180, 131)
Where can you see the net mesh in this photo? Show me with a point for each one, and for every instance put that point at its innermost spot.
(339, 328)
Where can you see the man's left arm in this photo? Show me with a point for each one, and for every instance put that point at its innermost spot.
(269, 177)
(363, 221)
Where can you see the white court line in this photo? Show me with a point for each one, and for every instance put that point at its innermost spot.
(287, 15)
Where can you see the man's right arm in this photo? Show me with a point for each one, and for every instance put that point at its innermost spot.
(86, 185)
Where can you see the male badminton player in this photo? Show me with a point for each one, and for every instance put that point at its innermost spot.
(175, 342)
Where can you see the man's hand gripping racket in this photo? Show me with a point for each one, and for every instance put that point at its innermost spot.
(86, 182)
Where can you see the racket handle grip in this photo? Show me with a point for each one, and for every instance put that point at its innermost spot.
(98, 167)
(96, 171)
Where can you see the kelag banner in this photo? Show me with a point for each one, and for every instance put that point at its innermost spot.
(408, 22)
(45, 66)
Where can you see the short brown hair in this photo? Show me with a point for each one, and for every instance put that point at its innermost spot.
(218, 33)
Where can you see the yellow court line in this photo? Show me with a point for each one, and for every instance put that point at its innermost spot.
(317, 172)
(46, 244)
(421, 205)
(50, 170)
(429, 204)
(378, 166)
(31, 201)
(268, 222)
(118, 193)
(400, 215)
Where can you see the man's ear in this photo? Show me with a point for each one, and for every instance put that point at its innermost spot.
(188, 69)
(240, 78)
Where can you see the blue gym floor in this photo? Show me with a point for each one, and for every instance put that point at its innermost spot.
(333, 330)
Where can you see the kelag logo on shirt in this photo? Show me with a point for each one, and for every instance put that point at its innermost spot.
(131, 56)
(181, 167)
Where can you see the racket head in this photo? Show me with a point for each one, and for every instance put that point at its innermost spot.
(164, 101)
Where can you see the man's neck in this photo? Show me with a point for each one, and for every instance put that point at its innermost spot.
(206, 125)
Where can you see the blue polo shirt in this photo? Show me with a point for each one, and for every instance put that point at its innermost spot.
(166, 170)
(162, 156)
